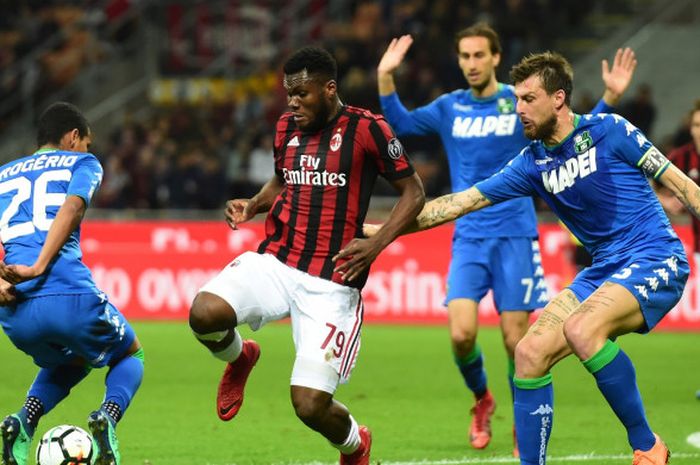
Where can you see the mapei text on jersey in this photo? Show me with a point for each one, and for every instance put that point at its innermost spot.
(565, 175)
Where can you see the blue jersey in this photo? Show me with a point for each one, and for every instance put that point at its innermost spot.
(593, 181)
(480, 136)
(32, 189)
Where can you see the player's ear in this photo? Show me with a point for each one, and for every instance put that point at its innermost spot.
(331, 88)
(74, 138)
(559, 99)
(70, 139)
(496, 59)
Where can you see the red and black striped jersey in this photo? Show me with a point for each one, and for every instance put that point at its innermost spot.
(687, 159)
(328, 179)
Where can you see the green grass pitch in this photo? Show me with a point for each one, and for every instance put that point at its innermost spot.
(405, 387)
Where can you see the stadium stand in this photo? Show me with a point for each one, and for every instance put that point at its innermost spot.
(183, 124)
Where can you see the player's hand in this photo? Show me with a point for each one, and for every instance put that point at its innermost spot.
(394, 54)
(15, 274)
(238, 211)
(370, 230)
(7, 293)
(356, 257)
(618, 78)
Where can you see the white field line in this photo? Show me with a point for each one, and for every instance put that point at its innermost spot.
(581, 458)
(694, 439)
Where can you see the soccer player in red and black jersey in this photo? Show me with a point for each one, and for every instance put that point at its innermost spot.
(327, 157)
(687, 158)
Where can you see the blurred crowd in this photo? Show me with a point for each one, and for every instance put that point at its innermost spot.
(45, 45)
(197, 156)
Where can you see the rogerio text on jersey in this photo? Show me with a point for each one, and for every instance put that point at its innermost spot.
(39, 163)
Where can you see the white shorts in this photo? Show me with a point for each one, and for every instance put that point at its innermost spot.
(326, 316)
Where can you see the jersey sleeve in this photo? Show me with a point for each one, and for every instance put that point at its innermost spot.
(86, 179)
(387, 151)
(421, 121)
(601, 107)
(632, 146)
(509, 183)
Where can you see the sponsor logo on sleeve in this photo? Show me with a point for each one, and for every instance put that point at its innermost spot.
(395, 149)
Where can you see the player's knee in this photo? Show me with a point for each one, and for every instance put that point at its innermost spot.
(511, 342)
(310, 406)
(531, 358)
(579, 336)
(209, 313)
(463, 339)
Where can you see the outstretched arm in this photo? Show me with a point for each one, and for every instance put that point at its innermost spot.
(440, 211)
(682, 187)
(392, 58)
(617, 79)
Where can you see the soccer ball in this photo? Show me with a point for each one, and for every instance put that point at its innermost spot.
(65, 445)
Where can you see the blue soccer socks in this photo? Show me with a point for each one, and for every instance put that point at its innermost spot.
(122, 381)
(616, 378)
(533, 406)
(472, 369)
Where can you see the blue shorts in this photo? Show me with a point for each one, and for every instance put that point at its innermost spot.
(511, 266)
(59, 329)
(655, 277)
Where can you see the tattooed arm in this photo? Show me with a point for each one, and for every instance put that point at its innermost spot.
(682, 187)
(440, 210)
(447, 208)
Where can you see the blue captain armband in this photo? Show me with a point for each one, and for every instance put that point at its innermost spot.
(653, 163)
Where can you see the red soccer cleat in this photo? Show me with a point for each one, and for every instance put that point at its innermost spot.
(229, 398)
(480, 429)
(361, 455)
(657, 455)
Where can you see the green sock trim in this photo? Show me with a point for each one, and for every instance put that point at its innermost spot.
(533, 383)
(511, 368)
(603, 357)
(470, 357)
(139, 354)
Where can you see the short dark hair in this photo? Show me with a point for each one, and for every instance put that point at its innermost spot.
(554, 70)
(316, 60)
(480, 30)
(58, 119)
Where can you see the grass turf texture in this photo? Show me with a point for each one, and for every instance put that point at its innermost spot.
(405, 387)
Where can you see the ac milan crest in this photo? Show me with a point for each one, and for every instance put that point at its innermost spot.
(336, 140)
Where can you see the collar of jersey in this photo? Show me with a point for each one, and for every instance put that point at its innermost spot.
(43, 151)
(490, 97)
(577, 120)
